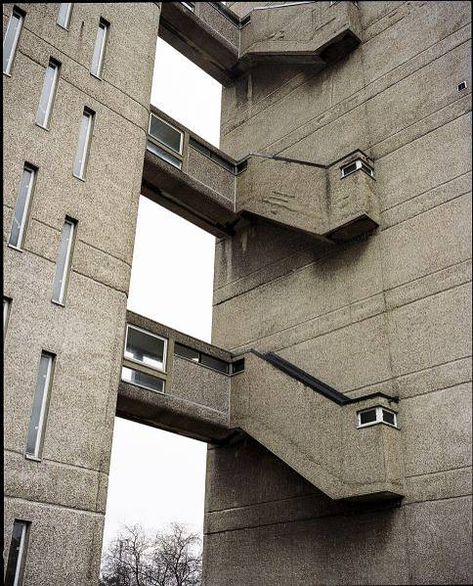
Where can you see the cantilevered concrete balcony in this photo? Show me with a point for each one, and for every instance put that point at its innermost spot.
(348, 448)
(303, 33)
(182, 172)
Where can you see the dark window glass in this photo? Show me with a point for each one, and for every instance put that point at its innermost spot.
(214, 363)
(238, 366)
(186, 352)
(16, 557)
(368, 416)
(146, 348)
(141, 379)
(162, 154)
(388, 417)
(166, 134)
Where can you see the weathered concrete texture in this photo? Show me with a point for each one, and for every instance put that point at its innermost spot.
(388, 313)
(63, 495)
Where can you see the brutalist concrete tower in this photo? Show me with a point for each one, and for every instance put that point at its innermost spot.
(336, 396)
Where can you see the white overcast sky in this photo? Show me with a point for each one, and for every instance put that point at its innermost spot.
(157, 477)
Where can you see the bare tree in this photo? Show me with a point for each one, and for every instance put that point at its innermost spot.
(170, 558)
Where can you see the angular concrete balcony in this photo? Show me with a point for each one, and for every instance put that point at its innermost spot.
(182, 172)
(315, 34)
(348, 448)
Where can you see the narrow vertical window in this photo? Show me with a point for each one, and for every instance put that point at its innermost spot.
(17, 555)
(83, 147)
(22, 206)
(12, 35)
(6, 314)
(64, 261)
(48, 93)
(34, 443)
(99, 49)
(64, 15)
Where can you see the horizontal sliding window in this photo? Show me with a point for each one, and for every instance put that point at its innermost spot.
(22, 206)
(48, 93)
(99, 49)
(17, 554)
(64, 15)
(34, 442)
(141, 379)
(12, 36)
(145, 348)
(83, 146)
(63, 264)
(166, 134)
(162, 154)
(201, 358)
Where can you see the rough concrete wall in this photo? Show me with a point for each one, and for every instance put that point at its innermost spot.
(64, 494)
(391, 313)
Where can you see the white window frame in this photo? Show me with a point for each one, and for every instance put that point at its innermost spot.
(67, 262)
(379, 417)
(27, 168)
(178, 130)
(90, 115)
(359, 166)
(55, 65)
(165, 350)
(19, 16)
(96, 69)
(42, 414)
(67, 20)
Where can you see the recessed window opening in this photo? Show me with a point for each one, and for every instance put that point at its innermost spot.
(6, 314)
(83, 147)
(462, 86)
(376, 415)
(22, 207)
(357, 165)
(63, 264)
(12, 36)
(64, 15)
(145, 348)
(202, 358)
(99, 49)
(17, 554)
(48, 93)
(34, 443)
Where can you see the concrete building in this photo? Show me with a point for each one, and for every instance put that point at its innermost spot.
(341, 201)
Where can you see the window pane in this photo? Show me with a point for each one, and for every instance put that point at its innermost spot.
(388, 417)
(10, 41)
(21, 208)
(64, 15)
(186, 352)
(368, 416)
(166, 134)
(47, 95)
(215, 363)
(141, 379)
(162, 154)
(99, 49)
(38, 415)
(63, 261)
(6, 314)
(17, 555)
(145, 348)
(84, 143)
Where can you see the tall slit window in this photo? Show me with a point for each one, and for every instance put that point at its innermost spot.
(48, 93)
(6, 314)
(10, 42)
(34, 442)
(20, 215)
(17, 555)
(83, 147)
(64, 261)
(64, 15)
(99, 49)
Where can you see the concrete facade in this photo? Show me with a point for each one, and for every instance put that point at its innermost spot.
(387, 312)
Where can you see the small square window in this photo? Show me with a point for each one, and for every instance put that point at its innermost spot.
(462, 86)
